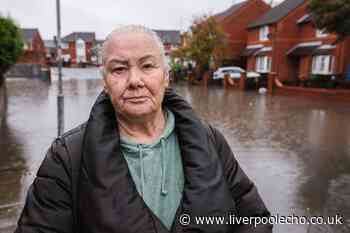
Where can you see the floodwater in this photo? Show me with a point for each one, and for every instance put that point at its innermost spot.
(296, 149)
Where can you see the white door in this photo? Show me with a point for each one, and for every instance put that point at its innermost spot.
(80, 50)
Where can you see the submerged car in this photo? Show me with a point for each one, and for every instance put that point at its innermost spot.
(234, 73)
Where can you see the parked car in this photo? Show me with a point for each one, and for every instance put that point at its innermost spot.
(234, 72)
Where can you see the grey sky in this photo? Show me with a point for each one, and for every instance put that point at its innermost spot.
(101, 16)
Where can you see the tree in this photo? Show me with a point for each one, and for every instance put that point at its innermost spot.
(332, 15)
(11, 44)
(207, 42)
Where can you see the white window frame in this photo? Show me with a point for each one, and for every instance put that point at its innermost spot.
(321, 33)
(322, 64)
(263, 64)
(264, 33)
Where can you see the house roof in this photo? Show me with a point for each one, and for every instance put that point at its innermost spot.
(229, 11)
(325, 49)
(250, 50)
(169, 36)
(263, 51)
(28, 34)
(304, 49)
(276, 13)
(85, 36)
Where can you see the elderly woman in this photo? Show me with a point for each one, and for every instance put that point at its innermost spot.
(143, 162)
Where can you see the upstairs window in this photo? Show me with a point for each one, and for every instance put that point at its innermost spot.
(264, 33)
(321, 33)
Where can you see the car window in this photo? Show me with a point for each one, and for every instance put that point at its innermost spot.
(230, 70)
(233, 71)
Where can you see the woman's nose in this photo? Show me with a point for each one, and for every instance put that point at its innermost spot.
(135, 77)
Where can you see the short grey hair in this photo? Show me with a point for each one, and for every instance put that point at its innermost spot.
(137, 29)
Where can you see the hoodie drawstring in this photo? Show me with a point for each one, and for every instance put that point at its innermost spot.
(163, 154)
(164, 191)
(142, 169)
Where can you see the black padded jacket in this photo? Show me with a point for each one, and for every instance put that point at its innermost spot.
(84, 185)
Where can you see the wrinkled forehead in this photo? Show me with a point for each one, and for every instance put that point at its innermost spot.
(131, 46)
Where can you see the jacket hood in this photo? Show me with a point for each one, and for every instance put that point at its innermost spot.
(107, 190)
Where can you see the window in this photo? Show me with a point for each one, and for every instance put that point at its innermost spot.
(321, 33)
(322, 64)
(263, 64)
(264, 33)
(64, 45)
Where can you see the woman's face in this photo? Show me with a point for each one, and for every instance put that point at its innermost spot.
(135, 75)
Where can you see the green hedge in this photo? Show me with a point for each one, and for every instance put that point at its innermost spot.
(11, 44)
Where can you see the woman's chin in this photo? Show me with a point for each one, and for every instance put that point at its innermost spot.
(139, 110)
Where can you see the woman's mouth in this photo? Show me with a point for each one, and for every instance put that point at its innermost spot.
(136, 99)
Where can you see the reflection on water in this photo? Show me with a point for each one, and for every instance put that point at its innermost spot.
(296, 150)
(12, 168)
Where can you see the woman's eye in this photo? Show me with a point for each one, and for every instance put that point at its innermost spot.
(148, 66)
(119, 70)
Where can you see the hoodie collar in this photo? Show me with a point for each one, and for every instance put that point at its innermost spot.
(135, 149)
(131, 145)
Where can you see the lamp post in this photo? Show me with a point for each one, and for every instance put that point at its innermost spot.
(60, 97)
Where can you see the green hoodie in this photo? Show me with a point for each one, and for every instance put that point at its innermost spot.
(157, 171)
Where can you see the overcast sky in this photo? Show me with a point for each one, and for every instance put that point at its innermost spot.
(101, 16)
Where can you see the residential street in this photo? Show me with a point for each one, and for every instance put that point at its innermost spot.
(295, 149)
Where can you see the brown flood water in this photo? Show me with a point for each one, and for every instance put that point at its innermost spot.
(296, 150)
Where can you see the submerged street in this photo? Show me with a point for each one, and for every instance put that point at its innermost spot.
(296, 150)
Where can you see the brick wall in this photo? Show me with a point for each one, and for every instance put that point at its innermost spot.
(285, 35)
(253, 39)
(88, 47)
(346, 53)
(72, 51)
(235, 26)
(37, 53)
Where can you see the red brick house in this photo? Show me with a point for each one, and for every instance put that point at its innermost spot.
(234, 21)
(51, 52)
(171, 40)
(80, 46)
(34, 49)
(286, 42)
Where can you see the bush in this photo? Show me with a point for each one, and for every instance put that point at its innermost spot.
(11, 44)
